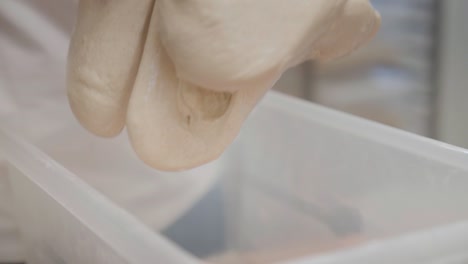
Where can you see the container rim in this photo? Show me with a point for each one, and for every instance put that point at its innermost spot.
(370, 130)
(90, 207)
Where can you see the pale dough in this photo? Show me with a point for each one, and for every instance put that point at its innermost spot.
(183, 75)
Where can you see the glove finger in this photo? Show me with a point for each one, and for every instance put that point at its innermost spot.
(104, 55)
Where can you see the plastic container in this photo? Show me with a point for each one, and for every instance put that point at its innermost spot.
(302, 184)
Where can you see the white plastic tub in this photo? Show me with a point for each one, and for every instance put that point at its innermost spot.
(302, 184)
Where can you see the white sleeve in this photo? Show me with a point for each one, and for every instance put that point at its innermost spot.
(33, 45)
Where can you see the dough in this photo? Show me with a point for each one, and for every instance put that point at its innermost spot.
(227, 45)
(205, 65)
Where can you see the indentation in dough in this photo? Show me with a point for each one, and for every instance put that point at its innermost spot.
(196, 103)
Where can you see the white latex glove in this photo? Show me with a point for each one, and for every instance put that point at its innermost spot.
(183, 75)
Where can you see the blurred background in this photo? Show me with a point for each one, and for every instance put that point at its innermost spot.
(412, 76)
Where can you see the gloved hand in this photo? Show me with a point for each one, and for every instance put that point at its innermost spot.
(182, 76)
